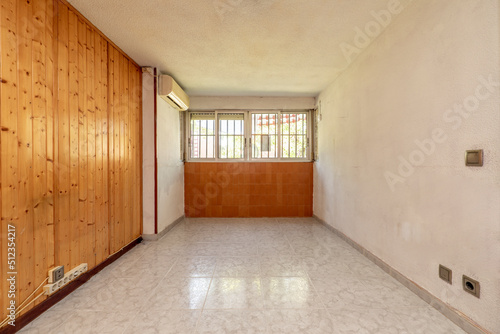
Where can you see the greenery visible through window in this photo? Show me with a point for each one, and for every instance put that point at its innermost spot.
(231, 136)
(293, 135)
(202, 136)
(264, 136)
(271, 135)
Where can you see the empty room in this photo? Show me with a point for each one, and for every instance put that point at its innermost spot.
(250, 166)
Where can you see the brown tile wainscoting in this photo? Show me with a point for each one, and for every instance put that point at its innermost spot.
(267, 189)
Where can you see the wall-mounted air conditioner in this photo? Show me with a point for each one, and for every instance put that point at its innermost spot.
(171, 92)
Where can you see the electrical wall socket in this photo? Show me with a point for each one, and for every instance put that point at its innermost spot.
(471, 286)
(56, 274)
(52, 288)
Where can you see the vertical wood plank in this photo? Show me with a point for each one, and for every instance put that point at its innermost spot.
(124, 144)
(111, 149)
(51, 102)
(55, 134)
(117, 130)
(63, 222)
(109, 113)
(40, 196)
(3, 227)
(104, 231)
(82, 143)
(8, 134)
(91, 156)
(98, 147)
(25, 251)
(131, 151)
(74, 93)
(137, 149)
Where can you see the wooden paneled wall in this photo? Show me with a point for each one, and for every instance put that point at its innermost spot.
(70, 142)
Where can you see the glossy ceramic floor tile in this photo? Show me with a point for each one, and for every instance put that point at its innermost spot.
(284, 275)
(156, 321)
(238, 266)
(194, 266)
(315, 321)
(290, 293)
(233, 321)
(235, 293)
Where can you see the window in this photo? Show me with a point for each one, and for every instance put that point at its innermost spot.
(202, 136)
(231, 135)
(249, 135)
(293, 135)
(264, 136)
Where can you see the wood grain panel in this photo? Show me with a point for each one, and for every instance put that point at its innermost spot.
(70, 142)
(63, 224)
(25, 180)
(91, 156)
(100, 237)
(40, 191)
(126, 231)
(74, 91)
(51, 103)
(114, 133)
(82, 144)
(8, 136)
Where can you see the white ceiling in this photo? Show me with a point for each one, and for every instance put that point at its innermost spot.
(236, 47)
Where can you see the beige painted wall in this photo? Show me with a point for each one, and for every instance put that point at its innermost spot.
(250, 102)
(148, 157)
(420, 93)
(170, 166)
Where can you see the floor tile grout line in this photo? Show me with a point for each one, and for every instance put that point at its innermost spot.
(206, 297)
(320, 306)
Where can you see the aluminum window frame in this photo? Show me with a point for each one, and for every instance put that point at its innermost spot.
(189, 141)
(247, 136)
(217, 139)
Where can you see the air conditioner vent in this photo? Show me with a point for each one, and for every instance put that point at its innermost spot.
(171, 92)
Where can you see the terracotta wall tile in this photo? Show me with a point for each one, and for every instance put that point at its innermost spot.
(248, 189)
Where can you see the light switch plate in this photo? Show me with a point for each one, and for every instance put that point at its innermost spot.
(445, 274)
(474, 158)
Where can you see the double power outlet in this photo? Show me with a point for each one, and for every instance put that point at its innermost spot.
(58, 279)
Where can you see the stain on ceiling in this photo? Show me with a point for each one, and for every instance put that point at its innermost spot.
(240, 47)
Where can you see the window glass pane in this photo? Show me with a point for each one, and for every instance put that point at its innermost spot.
(265, 143)
(264, 136)
(293, 135)
(300, 124)
(272, 123)
(231, 136)
(202, 135)
(293, 147)
(223, 147)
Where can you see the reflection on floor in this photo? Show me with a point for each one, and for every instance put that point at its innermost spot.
(243, 276)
